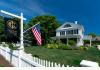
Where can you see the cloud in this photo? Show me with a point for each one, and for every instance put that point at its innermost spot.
(25, 6)
(32, 6)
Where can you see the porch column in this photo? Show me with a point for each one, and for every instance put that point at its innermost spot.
(90, 40)
(67, 41)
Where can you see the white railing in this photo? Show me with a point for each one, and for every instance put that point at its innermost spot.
(27, 60)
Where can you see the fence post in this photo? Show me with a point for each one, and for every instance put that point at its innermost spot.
(55, 64)
(63, 65)
(39, 61)
(46, 63)
(42, 62)
(51, 64)
(67, 65)
(36, 59)
(59, 65)
(33, 58)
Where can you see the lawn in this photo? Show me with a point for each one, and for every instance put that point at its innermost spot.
(67, 57)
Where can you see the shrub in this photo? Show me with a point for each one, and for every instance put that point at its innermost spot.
(71, 42)
(63, 46)
(83, 47)
(52, 46)
(12, 47)
(51, 42)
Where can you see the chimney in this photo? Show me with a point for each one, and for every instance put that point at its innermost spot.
(75, 22)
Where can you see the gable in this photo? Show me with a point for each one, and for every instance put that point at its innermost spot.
(69, 25)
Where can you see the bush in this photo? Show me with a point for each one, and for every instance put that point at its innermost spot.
(52, 46)
(59, 45)
(71, 42)
(63, 46)
(83, 47)
(12, 47)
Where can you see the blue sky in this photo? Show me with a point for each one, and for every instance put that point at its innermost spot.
(86, 12)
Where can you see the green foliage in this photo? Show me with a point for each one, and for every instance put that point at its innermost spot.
(2, 29)
(92, 34)
(71, 42)
(12, 47)
(63, 46)
(86, 41)
(95, 42)
(57, 45)
(2, 65)
(48, 25)
(83, 48)
(67, 57)
(52, 46)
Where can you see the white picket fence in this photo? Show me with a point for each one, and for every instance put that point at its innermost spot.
(27, 60)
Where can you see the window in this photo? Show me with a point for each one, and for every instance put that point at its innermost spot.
(66, 32)
(62, 33)
(67, 25)
(69, 32)
(75, 31)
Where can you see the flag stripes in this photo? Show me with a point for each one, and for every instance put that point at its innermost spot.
(37, 35)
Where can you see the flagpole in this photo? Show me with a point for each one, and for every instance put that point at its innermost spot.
(31, 27)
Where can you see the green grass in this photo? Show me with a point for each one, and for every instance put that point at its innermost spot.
(67, 57)
(2, 65)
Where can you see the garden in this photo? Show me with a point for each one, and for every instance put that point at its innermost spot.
(65, 54)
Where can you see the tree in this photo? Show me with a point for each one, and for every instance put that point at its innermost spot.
(48, 25)
(92, 34)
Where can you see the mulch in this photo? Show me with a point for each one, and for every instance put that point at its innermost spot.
(4, 63)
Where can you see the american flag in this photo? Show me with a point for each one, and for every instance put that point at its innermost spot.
(37, 34)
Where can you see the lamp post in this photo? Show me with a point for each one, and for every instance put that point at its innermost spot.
(21, 32)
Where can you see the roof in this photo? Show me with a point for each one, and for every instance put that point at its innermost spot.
(86, 37)
(69, 25)
(97, 38)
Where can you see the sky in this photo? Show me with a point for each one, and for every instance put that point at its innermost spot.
(86, 12)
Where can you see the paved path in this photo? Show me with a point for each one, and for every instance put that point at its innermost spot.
(4, 63)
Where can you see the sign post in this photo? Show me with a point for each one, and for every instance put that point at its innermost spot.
(21, 49)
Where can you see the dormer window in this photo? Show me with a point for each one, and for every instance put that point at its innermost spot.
(67, 25)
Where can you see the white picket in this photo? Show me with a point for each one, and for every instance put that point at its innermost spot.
(38, 61)
(55, 64)
(63, 65)
(52, 64)
(35, 59)
(67, 65)
(59, 65)
(46, 63)
(43, 62)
